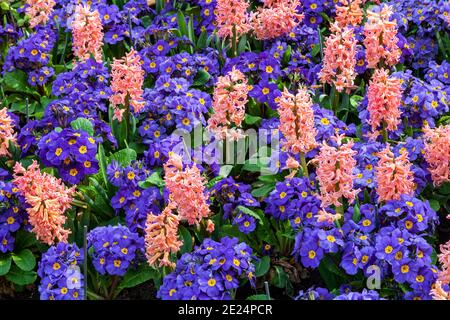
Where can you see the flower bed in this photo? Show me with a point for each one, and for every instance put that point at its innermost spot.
(225, 149)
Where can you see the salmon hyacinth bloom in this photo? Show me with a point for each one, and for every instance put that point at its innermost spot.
(7, 134)
(384, 99)
(339, 59)
(276, 18)
(438, 292)
(381, 38)
(297, 121)
(87, 34)
(48, 199)
(335, 167)
(187, 190)
(230, 97)
(349, 12)
(39, 11)
(232, 14)
(437, 153)
(394, 176)
(161, 237)
(126, 84)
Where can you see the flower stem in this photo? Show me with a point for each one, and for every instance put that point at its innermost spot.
(336, 102)
(384, 132)
(234, 42)
(304, 164)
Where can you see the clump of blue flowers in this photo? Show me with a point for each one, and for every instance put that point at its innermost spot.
(71, 151)
(114, 249)
(212, 271)
(60, 273)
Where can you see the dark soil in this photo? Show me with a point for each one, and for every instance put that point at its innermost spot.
(145, 291)
(9, 291)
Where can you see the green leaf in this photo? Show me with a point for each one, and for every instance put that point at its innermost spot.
(262, 266)
(190, 30)
(281, 278)
(261, 163)
(434, 257)
(21, 277)
(355, 100)
(251, 213)
(124, 156)
(201, 42)
(135, 277)
(315, 50)
(182, 24)
(356, 213)
(328, 277)
(249, 119)
(159, 5)
(83, 124)
(187, 239)
(257, 297)
(17, 81)
(5, 264)
(25, 260)
(231, 231)
(287, 55)
(24, 239)
(154, 180)
(4, 6)
(102, 163)
(242, 44)
(264, 190)
(201, 78)
(434, 204)
(21, 106)
(225, 170)
(445, 188)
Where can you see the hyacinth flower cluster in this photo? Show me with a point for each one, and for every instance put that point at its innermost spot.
(232, 17)
(393, 174)
(381, 38)
(335, 166)
(161, 237)
(349, 12)
(187, 190)
(210, 272)
(340, 59)
(136, 201)
(60, 273)
(114, 249)
(276, 18)
(441, 290)
(297, 122)
(39, 11)
(127, 77)
(72, 152)
(7, 134)
(437, 153)
(230, 97)
(384, 99)
(47, 200)
(231, 195)
(87, 33)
